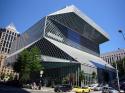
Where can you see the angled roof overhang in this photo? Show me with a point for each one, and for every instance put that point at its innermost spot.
(92, 30)
(81, 56)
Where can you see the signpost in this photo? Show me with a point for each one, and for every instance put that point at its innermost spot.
(117, 76)
(41, 73)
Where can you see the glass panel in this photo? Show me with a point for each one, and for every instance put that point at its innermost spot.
(66, 35)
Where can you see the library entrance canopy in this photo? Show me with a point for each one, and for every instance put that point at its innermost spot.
(79, 22)
(102, 66)
(81, 56)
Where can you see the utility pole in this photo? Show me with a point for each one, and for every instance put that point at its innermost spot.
(120, 31)
(117, 76)
(123, 35)
(78, 75)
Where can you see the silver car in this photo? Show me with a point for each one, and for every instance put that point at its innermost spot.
(109, 90)
(98, 88)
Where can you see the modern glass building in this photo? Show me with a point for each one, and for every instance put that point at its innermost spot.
(69, 43)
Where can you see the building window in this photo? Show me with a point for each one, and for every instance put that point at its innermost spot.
(9, 45)
(6, 36)
(8, 50)
(12, 33)
(4, 43)
(5, 49)
(2, 48)
(7, 31)
(9, 37)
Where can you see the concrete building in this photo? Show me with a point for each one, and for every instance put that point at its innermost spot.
(7, 36)
(113, 56)
(69, 43)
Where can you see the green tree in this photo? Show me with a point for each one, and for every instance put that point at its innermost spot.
(2, 76)
(36, 60)
(120, 67)
(65, 80)
(81, 75)
(11, 76)
(94, 76)
(27, 63)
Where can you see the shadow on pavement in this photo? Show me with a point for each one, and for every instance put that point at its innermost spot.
(7, 89)
(11, 87)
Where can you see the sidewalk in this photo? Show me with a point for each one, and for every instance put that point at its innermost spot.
(7, 89)
(42, 89)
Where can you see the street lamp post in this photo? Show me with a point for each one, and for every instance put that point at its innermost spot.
(120, 31)
(117, 76)
(41, 73)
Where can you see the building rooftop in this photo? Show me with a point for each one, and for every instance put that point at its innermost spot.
(72, 8)
(12, 28)
(113, 52)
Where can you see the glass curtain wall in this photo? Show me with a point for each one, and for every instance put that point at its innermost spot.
(61, 33)
(60, 72)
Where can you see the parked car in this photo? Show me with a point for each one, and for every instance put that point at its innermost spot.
(122, 86)
(109, 90)
(93, 86)
(63, 88)
(98, 88)
(122, 91)
(82, 90)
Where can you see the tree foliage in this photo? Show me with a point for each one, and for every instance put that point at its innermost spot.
(27, 63)
(120, 67)
(94, 75)
(81, 75)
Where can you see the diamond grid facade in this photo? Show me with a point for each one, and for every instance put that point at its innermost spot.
(67, 43)
(71, 36)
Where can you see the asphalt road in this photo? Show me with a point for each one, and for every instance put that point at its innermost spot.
(96, 92)
(22, 90)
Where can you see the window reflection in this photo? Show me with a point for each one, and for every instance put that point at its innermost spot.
(69, 37)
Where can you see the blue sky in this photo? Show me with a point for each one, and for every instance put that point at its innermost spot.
(109, 14)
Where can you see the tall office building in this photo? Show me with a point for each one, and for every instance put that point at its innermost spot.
(113, 56)
(7, 36)
(69, 43)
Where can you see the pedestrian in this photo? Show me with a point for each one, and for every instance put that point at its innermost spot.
(40, 85)
(34, 86)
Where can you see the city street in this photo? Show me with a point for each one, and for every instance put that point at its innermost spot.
(23, 90)
(96, 92)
